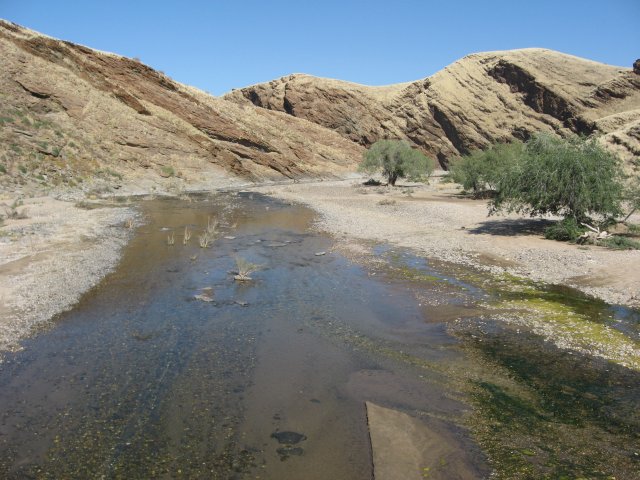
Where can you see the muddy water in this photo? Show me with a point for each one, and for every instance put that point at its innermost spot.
(268, 380)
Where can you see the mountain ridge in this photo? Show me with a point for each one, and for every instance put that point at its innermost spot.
(69, 111)
(482, 98)
(70, 114)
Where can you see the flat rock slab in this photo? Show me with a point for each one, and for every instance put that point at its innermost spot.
(406, 448)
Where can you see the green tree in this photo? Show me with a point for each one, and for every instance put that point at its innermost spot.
(396, 159)
(481, 170)
(574, 177)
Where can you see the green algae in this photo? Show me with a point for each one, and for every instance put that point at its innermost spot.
(564, 326)
(561, 315)
(549, 415)
(552, 381)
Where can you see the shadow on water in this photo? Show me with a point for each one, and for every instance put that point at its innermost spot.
(268, 378)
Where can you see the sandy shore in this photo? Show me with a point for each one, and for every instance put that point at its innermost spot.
(50, 258)
(435, 222)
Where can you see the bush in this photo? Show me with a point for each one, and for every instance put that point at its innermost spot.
(572, 177)
(620, 243)
(567, 230)
(396, 159)
(482, 170)
(167, 171)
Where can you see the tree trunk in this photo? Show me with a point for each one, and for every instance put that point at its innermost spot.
(629, 216)
(392, 179)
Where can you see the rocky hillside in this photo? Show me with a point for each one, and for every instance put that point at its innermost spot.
(477, 100)
(70, 114)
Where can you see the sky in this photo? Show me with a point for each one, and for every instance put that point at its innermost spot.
(218, 45)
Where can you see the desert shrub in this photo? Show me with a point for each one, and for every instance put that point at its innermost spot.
(482, 170)
(567, 230)
(168, 171)
(372, 182)
(617, 242)
(396, 159)
(12, 212)
(573, 177)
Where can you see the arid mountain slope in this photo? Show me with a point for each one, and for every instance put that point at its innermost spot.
(69, 112)
(477, 100)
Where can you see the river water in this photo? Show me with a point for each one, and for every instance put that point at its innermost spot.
(268, 379)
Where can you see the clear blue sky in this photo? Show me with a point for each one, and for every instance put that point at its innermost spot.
(217, 45)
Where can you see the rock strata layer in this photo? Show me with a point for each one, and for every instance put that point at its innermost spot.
(68, 111)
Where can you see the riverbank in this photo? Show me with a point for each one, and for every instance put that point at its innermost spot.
(435, 221)
(63, 248)
(56, 252)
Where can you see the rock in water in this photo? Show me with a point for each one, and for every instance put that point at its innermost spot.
(288, 438)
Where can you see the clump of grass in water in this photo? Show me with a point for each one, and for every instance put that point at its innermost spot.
(212, 226)
(209, 234)
(171, 239)
(187, 236)
(204, 240)
(245, 269)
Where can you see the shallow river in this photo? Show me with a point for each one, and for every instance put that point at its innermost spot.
(269, 379)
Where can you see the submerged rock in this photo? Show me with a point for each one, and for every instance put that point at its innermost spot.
(286, 452)
(288, 438)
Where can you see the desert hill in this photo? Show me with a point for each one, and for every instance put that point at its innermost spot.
(70, 113)
(482, 98)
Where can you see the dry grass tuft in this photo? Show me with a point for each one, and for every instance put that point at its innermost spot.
(204, 240)
(245, 269)
(212, 227)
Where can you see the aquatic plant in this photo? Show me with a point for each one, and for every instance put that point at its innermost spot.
(204, 240)
(171, 239)
(245, 269)
(187, 236)
(212, 226)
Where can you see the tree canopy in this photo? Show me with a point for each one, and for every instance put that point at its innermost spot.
(481, 170)
(572, 177)
(396, 159)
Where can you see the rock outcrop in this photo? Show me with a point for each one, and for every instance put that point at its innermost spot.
(69, 113)
(480, 99)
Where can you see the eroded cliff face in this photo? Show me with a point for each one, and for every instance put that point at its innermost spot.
(480, 99)
(69, 112)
